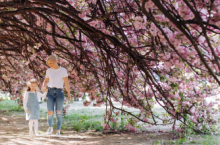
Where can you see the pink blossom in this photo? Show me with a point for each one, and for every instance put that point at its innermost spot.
(113, 120)
(130, 128)
(106, 126)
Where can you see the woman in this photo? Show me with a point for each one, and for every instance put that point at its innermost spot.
(56, 76)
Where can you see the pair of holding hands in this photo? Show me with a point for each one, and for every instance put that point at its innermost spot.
(45, 89)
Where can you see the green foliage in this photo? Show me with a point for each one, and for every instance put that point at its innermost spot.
(159, 142)
(179, 141)
(122, 124)
(122, 121)
(188, 130)
(195, 139)
(76, 116)
(17, 108)
(205, 129)
(79, 122)
(162, 78)
(10, 105)
(174, 86)
(86, 125)
(189, 135)
(209, 140)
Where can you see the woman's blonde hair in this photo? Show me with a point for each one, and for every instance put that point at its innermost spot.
(52, 58)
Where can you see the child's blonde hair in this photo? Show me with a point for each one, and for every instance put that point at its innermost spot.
(52, 58)
(28, 88)
(29, 83)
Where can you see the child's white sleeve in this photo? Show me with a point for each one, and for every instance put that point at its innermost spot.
(40, 95)
(25, 99)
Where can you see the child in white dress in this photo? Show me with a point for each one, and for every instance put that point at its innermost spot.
(31, 100)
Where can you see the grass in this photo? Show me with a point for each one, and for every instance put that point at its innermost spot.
(86, 125)
(77, 116)
(206, 140)
(79, 122)
(10, 105)
(193, 140)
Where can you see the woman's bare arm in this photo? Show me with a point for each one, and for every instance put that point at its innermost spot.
(67, 86)
(46, 80)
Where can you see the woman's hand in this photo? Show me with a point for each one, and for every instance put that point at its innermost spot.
(67, 86)
(26, 111)
(69, 97)
(45, 89)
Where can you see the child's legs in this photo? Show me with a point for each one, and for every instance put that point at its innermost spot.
(31, 125)
(35, 125)
(50, 108)
(59, 108)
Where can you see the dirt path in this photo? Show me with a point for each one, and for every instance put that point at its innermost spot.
(14, 130)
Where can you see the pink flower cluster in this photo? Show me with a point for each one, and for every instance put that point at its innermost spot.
(130, 128)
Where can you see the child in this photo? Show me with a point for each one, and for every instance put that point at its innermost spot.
(31, 100)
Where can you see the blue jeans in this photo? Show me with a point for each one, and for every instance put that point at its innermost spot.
(55, 98)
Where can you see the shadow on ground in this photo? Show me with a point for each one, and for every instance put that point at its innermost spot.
(14, 130)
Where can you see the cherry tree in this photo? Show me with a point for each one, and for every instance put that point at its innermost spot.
(136, 52)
